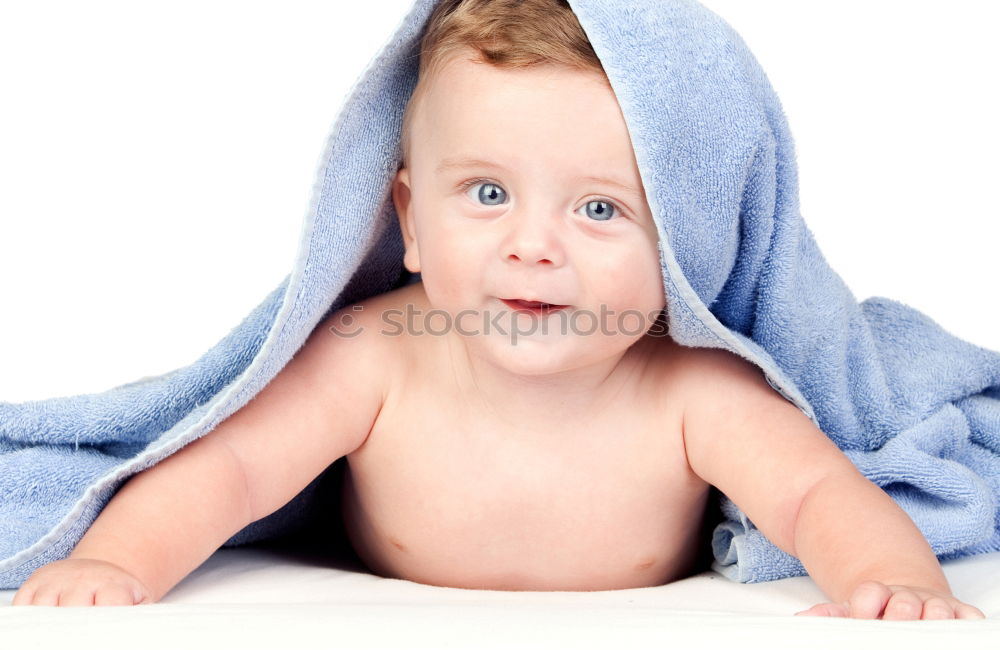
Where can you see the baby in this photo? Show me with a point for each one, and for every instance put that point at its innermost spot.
(517, 419)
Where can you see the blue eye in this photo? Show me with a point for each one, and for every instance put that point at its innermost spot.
(488, 192)
(602, 213)
(491, 194)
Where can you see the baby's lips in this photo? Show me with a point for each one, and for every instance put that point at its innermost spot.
(532, 303)
(518, 304)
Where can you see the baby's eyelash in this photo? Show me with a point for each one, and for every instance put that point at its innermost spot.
(475, 181)
(469, 183)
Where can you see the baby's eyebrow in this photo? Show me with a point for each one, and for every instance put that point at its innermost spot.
(461, 163)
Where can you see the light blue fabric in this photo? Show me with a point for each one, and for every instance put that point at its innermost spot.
(916, 409)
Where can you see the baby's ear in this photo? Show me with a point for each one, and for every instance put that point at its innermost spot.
(401, 198)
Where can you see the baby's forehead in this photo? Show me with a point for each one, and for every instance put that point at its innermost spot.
(464, 82)
(526, 123)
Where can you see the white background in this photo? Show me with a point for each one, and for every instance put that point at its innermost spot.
(157, 160)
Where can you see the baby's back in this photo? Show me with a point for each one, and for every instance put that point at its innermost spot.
(444, 492)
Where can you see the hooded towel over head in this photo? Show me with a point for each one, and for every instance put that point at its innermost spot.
(916, 409)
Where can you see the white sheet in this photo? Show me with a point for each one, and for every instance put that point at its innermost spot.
(274, 597)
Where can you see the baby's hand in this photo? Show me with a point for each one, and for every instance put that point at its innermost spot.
(81, 582)
(873, 599)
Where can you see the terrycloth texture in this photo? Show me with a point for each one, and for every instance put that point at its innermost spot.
(916, 409)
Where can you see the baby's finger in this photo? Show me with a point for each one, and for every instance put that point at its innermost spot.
(968, 611)
(46, 595)
(77, 596)
(23, 596)
(869, 599)
(113, 595)
(937, 609)
(904, 605)
(824, 609)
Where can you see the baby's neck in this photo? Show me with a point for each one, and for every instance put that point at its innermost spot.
(530, 402)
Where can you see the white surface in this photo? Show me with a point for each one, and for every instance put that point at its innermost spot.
(270, 598)
(157, 161)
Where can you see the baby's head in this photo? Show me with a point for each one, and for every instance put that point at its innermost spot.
(507, 34)
(518, 181)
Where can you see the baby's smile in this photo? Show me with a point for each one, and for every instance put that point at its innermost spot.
(532, 306)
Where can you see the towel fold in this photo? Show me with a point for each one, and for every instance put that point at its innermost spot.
(915, 408)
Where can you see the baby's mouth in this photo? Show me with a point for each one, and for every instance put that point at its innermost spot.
(533, 306)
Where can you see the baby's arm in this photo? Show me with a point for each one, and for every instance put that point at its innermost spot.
(809, 499)
(162, 524)
(167, 520)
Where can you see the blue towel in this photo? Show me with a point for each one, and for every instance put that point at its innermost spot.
(915, 408)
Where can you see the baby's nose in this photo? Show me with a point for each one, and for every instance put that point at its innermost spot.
(529, 259)
(532, 241)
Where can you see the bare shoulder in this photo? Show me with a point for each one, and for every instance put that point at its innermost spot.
(725, 394)
(693, 378)
(321, 406)
(704, 372)
(369, 320)
(744, 437)
(384, 323)
(707, 384)
(369, 335)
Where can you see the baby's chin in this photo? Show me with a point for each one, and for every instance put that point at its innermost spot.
(538, 354)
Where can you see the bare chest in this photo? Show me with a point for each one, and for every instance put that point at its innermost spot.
(438, 497)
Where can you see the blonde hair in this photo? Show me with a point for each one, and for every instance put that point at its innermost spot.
(504, 33)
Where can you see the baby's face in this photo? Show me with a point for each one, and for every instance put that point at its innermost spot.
(523, 184)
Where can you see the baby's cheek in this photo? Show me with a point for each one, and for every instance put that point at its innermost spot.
(450, 278)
